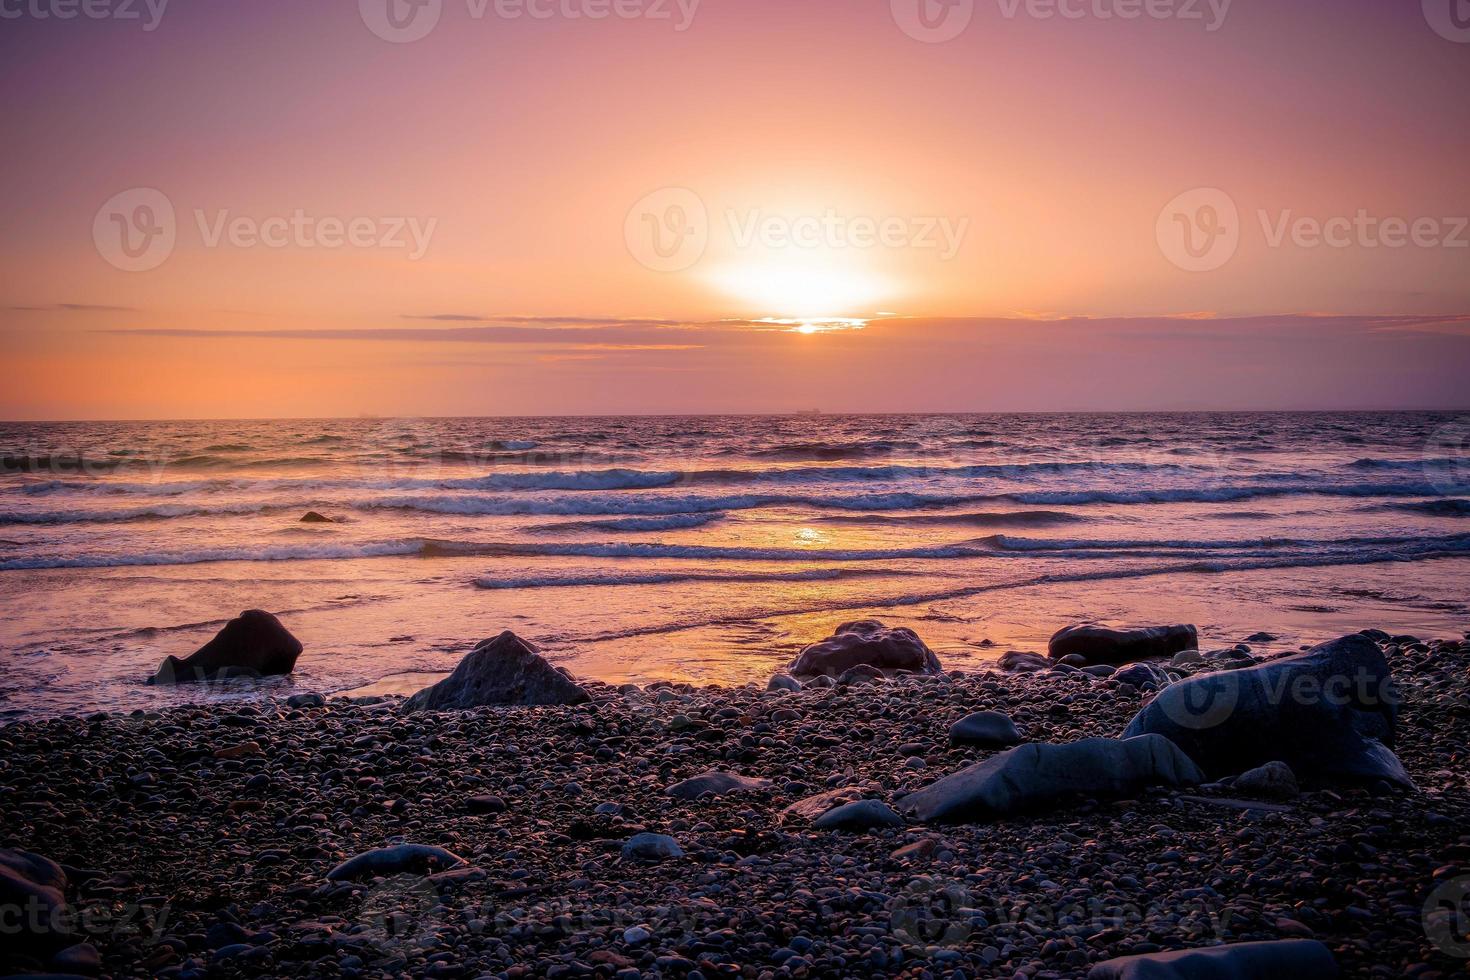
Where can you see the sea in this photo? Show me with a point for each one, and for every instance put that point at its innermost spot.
(704, 550)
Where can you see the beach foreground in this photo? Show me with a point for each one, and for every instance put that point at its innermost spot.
(198, 840)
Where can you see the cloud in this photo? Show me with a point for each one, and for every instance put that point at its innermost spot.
(72, 308)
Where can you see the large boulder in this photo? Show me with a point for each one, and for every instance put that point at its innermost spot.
(254, 644)
(384, 862)
(504, 671)
(1036, 776)
(1286, 959)
(866, 643)
(1106, 645)
(33, 888)
(1330, 714)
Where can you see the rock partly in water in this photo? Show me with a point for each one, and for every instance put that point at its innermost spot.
(858, 816)
(1036, 776)
(1106, 645)
(253, 645)
(1286, 959)
(783, 682)
(985, 728)
(870, 643)
(716, 783)
(651, 847)
(1273, 781)
(504, 671)
(312, 517)
(419, 859)
(1330, 714)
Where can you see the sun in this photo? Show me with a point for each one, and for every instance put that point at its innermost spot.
(801, 287)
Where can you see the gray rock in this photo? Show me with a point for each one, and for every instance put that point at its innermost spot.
(1330, 714)
(1286, 959)
(858, 816)
(651, 847)
(305, 701)
(986, 728)
(866, 642)
(402, 859)
(254, 644)
(1262, 638)
(1273, 781)
(783, 682)
(1035, 776)
(504, 671)
(1106, 645)
(716, 782)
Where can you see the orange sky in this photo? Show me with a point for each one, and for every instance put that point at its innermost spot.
(827, 165)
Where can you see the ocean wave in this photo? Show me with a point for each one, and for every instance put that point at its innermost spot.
(574, 579)
(206, 555)
(1447, 507)
(674, 522)
(1017, 518)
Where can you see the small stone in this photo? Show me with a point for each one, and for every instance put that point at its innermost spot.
(651, 847)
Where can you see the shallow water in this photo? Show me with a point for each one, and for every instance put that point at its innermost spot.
(707, 549)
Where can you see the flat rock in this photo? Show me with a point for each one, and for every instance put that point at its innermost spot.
(254, 644)
(1330, 714)
(1035, 776)
(1286, 959)
(858, 816)
(985, 728)
(717, 783)
(1107, 645)
(809, 809)
(419, 859)
(504, 671)
(867, 643)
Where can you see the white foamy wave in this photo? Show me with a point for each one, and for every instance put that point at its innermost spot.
(663, 578)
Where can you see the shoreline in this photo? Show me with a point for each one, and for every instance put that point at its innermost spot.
(209, 831)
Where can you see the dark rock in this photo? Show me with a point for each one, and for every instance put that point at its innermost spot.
(504, 671)
(312, 517)
(783, 682)
(1329, 713)
(1144, 676)
(1273, 781)
(1032, 777)
(985, 728)
(1020, 662)
(403, 859)
(866, 642)
(253, 645)
(717, 783)
(1286, 959)
(1262, 638)
(33, 888)
(1105, 645)
(485, 804)
(861, 674)
(858, 816)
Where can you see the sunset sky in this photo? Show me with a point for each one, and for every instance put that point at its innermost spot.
(989, 216)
